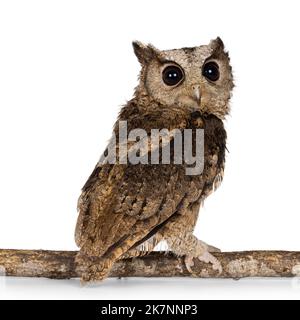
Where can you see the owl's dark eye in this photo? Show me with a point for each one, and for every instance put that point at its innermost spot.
(211, 71)
(172, 75)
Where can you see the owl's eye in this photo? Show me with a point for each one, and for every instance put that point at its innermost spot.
(172, 75)
(211, 71)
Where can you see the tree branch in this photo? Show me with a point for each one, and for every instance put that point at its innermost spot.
(61, 265)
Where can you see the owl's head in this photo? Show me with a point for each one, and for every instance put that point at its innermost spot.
(197, 78)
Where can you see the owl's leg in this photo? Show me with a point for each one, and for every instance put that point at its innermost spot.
(179, 236)
(191, 247)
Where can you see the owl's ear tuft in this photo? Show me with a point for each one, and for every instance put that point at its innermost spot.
(218, 49)
(144, 53)
(217, 45)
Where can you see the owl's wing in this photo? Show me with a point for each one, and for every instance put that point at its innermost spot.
(99, 181)
(118, 200)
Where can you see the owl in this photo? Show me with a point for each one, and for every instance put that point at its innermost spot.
(126, 209)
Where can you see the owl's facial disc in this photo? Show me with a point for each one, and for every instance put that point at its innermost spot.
(197, 78)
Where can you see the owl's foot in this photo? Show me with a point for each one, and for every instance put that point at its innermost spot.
(189, 246)
(93, 269)
(204, 257)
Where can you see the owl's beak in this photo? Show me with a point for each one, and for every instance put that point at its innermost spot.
(196, 93)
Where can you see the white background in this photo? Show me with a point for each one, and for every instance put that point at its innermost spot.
(66, 67)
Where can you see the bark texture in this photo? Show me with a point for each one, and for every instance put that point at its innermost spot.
(61, 265)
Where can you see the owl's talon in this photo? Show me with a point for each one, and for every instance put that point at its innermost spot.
(209, 258)
(189, 263)
(205, 257)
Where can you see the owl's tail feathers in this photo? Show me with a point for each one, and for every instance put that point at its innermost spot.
(93, 269)
(97, 268)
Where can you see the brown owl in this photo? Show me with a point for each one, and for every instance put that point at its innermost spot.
(126, 209)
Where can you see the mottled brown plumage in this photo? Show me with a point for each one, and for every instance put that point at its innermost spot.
(126, 209)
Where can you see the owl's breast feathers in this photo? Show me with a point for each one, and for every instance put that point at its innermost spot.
(118, 200)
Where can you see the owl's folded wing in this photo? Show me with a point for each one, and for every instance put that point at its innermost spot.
(119, 200)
